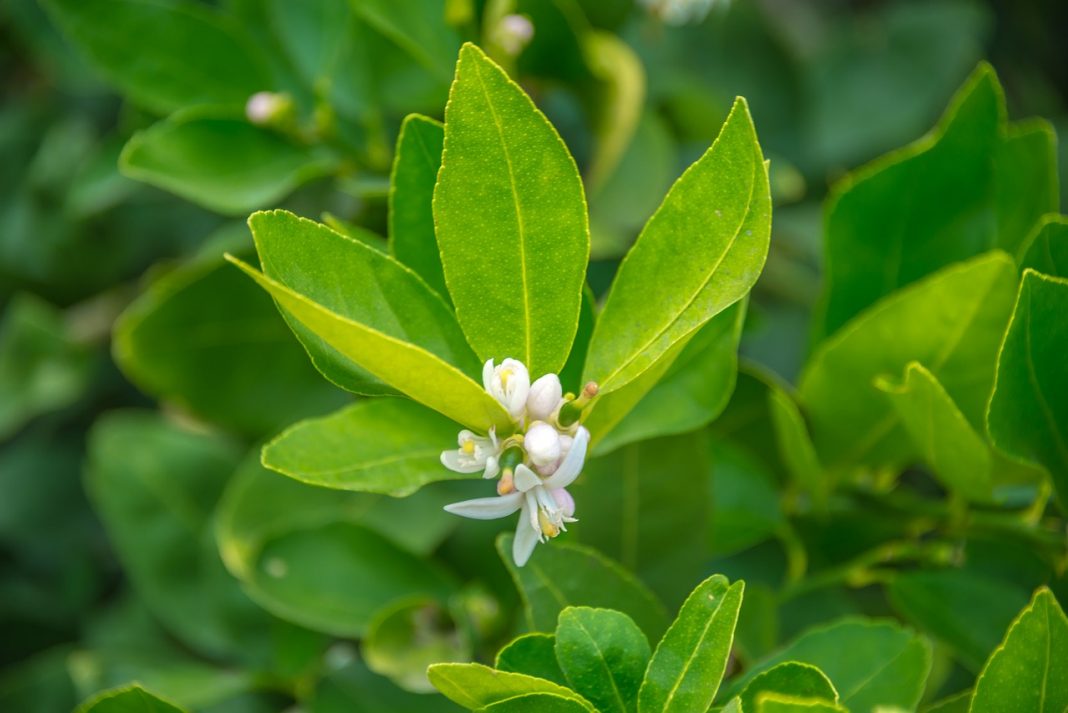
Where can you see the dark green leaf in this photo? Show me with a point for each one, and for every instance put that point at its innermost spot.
(603, 653)
(791, 679)
(1047, 251)
(129, 699)
(534, 655)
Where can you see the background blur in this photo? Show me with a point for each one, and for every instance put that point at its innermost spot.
(82, 241)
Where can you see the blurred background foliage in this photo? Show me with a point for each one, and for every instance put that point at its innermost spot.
(138, 373)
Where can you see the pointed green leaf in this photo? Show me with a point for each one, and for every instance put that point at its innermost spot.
(1047, 250)
(951, 322)
(371, 312)
(143, 48)
(795, 445)
(411, 195)
(560, 575)
(790, 678)
(945, 440)
(969, 186)
(887, 666)
(127, 699)
(688, 664)
(1028, 415)
(475, 686)
(537, 703)
(533, 655)
(511, 220)
(1027, 672)
(779, 703)
(700, 253)
(220, 161)
(603, 653)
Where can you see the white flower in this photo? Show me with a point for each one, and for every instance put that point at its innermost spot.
(265, 107)
(542, 443)
(545, 507)
(565, 448)
(509, 383)
(514, 33)
(544, 398)
(474, 453)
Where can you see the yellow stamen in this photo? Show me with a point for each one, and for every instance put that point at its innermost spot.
(547, 527)
(506, 484)
(506, 374)
(468, 447)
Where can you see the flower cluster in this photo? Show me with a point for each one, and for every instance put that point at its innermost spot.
(535, 464)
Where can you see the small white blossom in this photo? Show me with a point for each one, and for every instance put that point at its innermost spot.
(542, 443)
(509, 383)
(514, 33)
(265, 107)
(474, 453)
(565, 448)
(543, 503)
(544, 397)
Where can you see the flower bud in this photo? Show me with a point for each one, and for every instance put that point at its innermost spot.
(542, 443)
(544, 397)
(509, 383)
(514, 33)
(265, 108)
(564, 501)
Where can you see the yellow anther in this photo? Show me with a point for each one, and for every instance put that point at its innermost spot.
(506, 484)
(548, 528)
(506, 374)
(468, 447)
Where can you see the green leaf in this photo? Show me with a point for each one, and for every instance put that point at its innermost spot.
(887, 666)
(155, 486)
(392, 325)
(571, 373)
(533, 655)
(416, 26)
(143, 48)
(968, 611)
(951, 322)
(971, 185)
(619, 102)
(746, 505)
(1028, 414)
(790, 679)
(128, 699)
(511, 220)
(384, 445)
(537, 703)
(647, 506)
(1026, 673)
(946, 442)
(279, 537)
(411, 192)
(404, 639)
(700, 253)
(795, 445)
(42, 367)
(220, 161)
(1047, 250)
(777, 703)
(603, 653)
(694, 390)
(354, 689)
(205, 338)
(688, 664)
(561, 575)
(475, 686)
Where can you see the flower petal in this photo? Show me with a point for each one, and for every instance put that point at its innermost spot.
(487, 375)
(525, 478)
(492, 468)
(526, 539)
(487, 508)
(572, 464)
(451, 460)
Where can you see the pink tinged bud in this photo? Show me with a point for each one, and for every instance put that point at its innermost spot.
(262, 107)
(515, 32)
(544, 397)
(564, 501)
(542, 443)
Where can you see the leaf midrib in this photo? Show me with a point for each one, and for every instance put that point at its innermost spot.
(693, 654)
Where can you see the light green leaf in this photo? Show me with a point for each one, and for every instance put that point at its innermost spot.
(537, 703)
(692, 392)
(511, 220)
(887, 666)
(619, 102)
(405, 638)
(475, 686)
(383, 445)
(1047, 249)
(1028, 413)
(971, 185)
(946, 442)
(411, 193)
(373, 312)
(221, 161)
(1027, 672)
(42, 367)
(778, 703)
(603, 653)
(967, 610)
(951, 322)
(795, 445)
(647, 505)
(207, 339)
(700, 253)
(560, 575)
(788, 679)
(143, 48)
(279, 537)
(128, 699)
(688, 664)
(533, 655)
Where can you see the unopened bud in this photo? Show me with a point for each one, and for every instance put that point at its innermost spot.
(544, 397)
(571, 411)
(264, 108)
(542, 443)
(514, 33)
